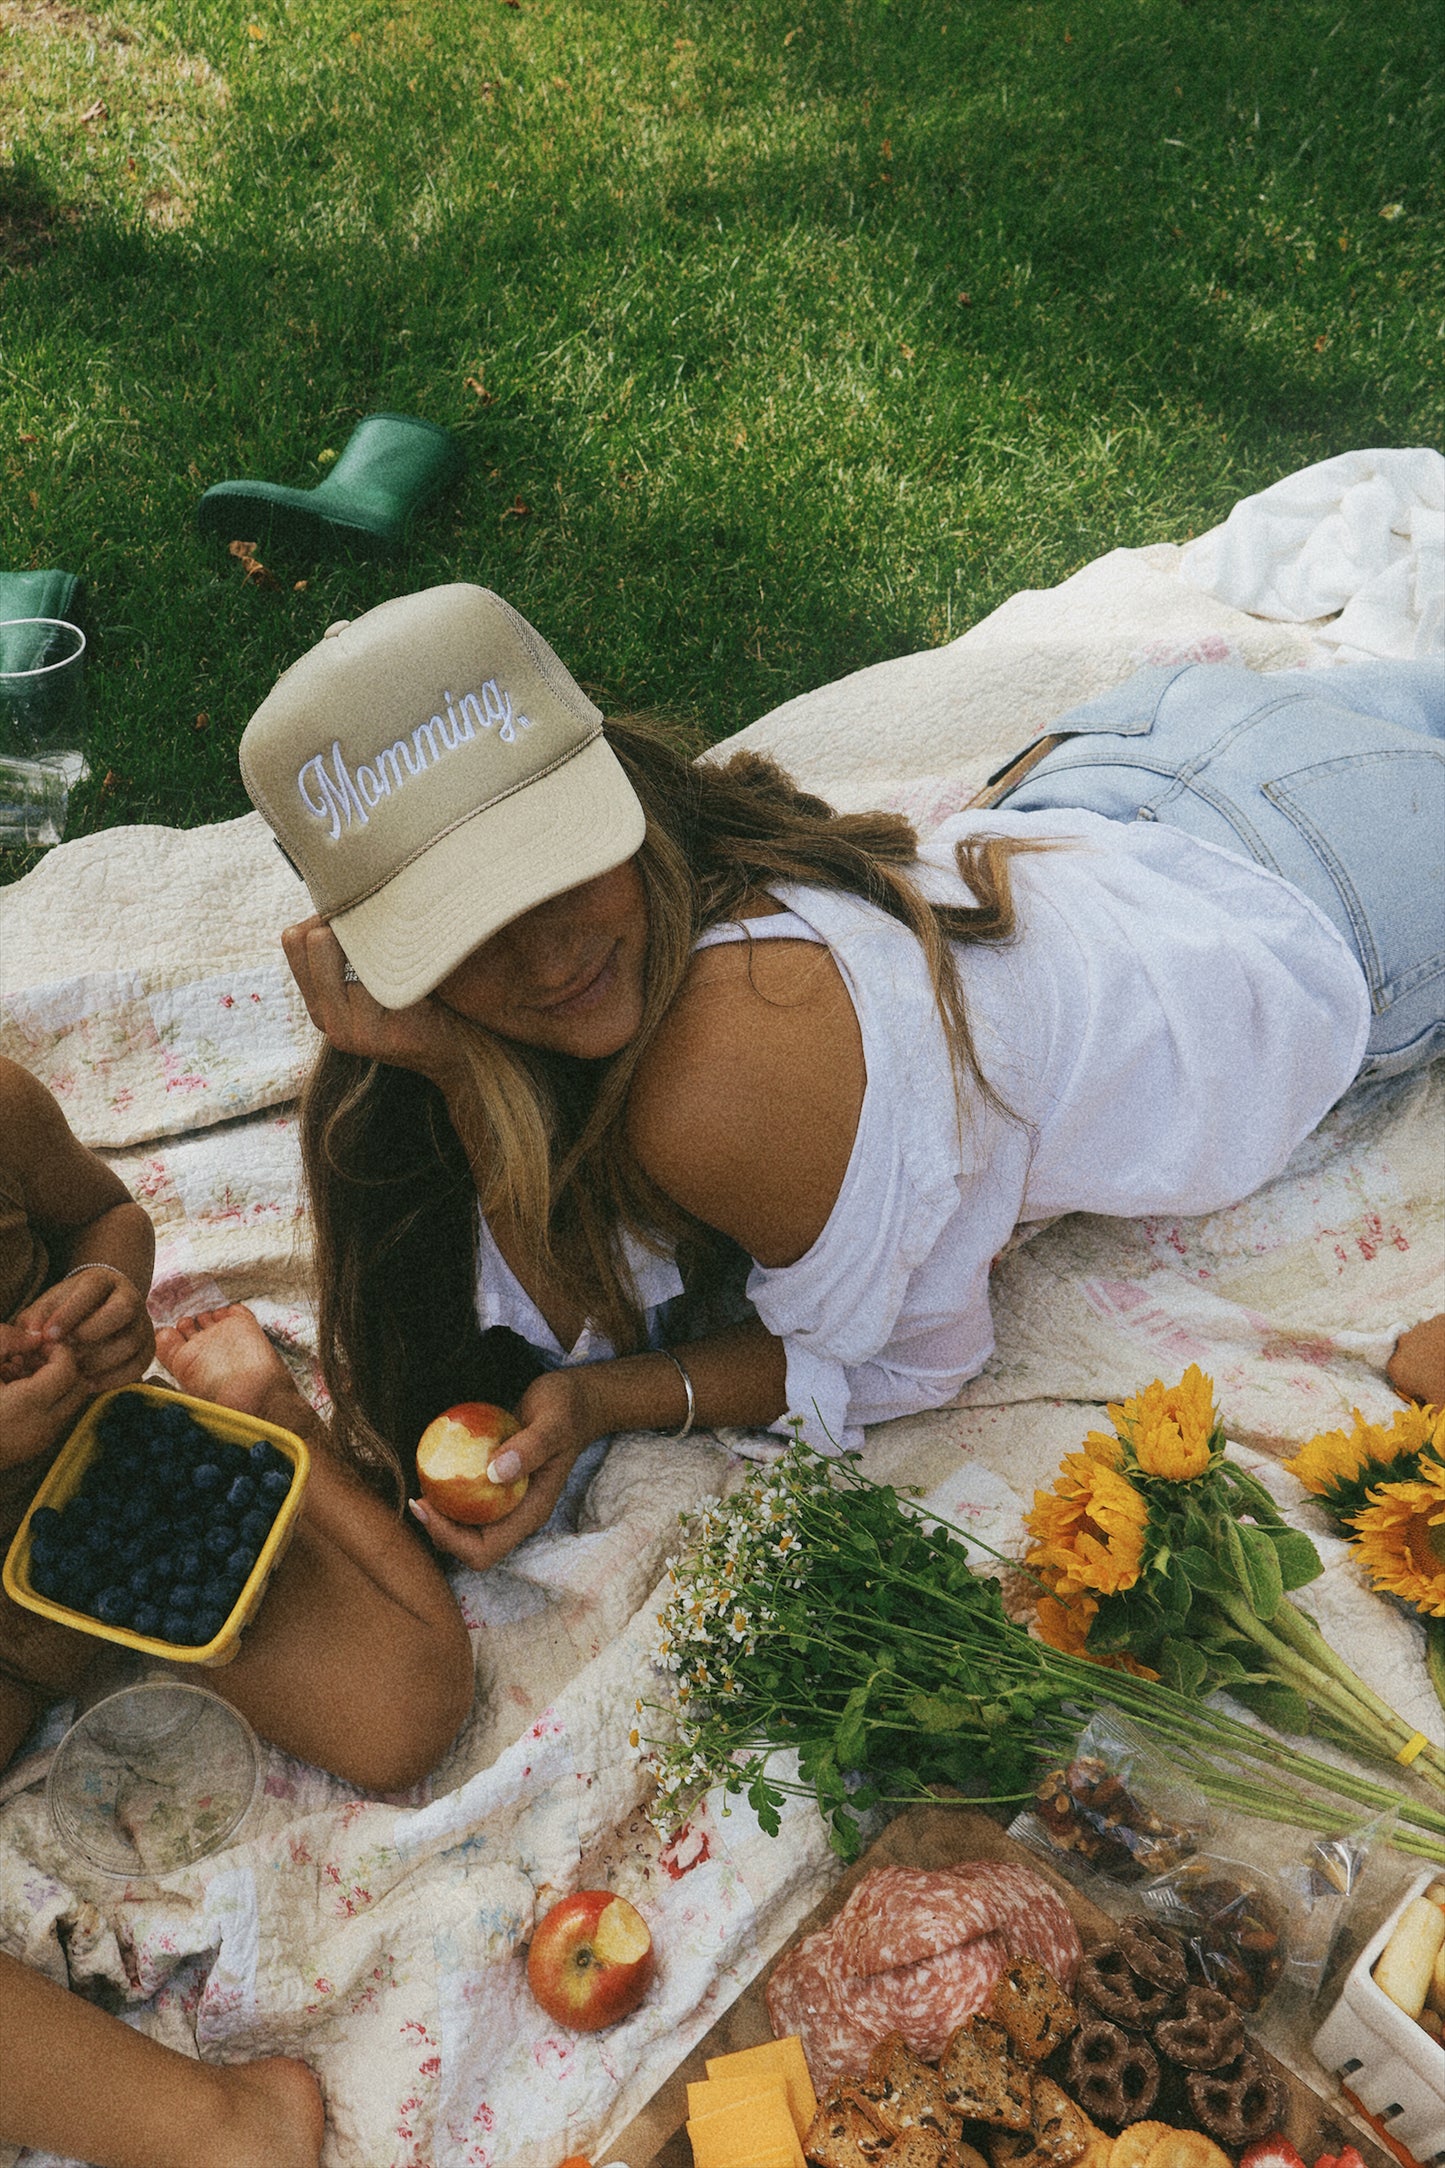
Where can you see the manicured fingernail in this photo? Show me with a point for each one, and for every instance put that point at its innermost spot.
(505, 1468)
(414, 1505)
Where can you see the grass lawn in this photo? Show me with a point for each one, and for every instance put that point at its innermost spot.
(781, 337)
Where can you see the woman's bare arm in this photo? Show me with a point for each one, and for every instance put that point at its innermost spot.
(744, 1112)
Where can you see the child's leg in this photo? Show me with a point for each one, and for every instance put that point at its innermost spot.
(40, 1662)
(77, 2082)
(358, 1659)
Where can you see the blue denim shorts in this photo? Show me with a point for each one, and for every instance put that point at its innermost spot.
(1333, 778)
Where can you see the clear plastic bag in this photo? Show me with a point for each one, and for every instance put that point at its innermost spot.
(1264, 1903)
(1115, 1808)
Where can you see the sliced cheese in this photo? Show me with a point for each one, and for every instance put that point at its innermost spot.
(705, 2096)
(781, 2059)
(742, 2132)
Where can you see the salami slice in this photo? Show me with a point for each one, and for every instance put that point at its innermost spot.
(915, 1952)
(1029, 1913)
(899, 1915)
(926, 2001)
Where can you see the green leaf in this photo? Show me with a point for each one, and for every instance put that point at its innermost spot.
(1264, 1579)
(935, 1712)
(1183, 1665)
(1203, 1570)
(1279, 1705)
(850, 1738)
(1299, 1561)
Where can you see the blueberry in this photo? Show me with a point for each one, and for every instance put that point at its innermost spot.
(241, 1494)
(185, 1597)
(207, 1479)
(146, 1619)
(275, 1484)
(47, 1577)
(219, 1539)
(209, 1623)
(44, 1522)
(189, 1562)
(240, 1562)
(134, 1515)
(255, 1528)
(175, 1628)
(113, 1606)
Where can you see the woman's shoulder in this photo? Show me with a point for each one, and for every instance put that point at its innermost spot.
(744, 1106)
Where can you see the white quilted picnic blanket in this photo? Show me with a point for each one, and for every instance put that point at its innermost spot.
(140, 978)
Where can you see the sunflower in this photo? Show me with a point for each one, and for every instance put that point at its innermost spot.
(1170, 1428)
(1400, 1538)
(1064, 1617)
(1339, 1466)
(1090, 1527)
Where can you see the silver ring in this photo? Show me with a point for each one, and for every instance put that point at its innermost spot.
(349, 975)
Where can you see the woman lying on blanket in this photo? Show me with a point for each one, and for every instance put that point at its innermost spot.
(659, 1018)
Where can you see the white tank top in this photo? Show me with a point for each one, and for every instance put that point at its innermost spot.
(1170, 1021)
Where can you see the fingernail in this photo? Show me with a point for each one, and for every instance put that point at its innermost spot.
(505, 1468)
(414, 1505)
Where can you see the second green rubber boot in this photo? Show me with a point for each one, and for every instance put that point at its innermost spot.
(391, 465)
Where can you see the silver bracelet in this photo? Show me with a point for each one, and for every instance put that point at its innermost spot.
(680, 1367)
(97, 1266)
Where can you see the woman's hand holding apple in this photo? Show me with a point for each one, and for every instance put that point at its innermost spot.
(555, 1423)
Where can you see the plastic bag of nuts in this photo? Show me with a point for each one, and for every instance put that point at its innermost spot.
(1115, 1808)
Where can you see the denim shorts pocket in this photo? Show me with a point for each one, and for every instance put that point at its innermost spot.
(1373, 822)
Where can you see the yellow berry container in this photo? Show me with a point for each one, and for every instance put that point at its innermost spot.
(228, 1428)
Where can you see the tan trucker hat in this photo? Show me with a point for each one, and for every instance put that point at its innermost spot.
(432, 771)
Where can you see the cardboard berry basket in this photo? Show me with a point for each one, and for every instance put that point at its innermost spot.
(234, 1433)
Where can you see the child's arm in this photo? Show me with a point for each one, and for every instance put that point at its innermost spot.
(88, 1218)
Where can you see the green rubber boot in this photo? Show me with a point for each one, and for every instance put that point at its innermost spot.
(391, 465)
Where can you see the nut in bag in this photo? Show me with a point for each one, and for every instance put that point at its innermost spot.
(1115, 1808)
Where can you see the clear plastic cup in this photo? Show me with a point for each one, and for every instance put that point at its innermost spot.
(153, 1778)
(42, 726)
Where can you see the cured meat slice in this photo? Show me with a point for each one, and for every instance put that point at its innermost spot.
(915, 1952)
(1029, 1913)
(809, 1994)
(898, 1915)
(926, 2002)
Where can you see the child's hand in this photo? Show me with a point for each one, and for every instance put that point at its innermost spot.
(102, 1318)
(40, 1402)
(555, 1428)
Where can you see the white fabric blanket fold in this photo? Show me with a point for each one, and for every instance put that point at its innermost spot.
(140, 978)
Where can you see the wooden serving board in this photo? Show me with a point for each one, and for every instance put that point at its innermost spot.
(930, 1837)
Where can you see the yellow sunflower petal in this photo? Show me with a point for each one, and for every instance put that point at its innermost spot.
(1090, 1527)
(1400, 1539)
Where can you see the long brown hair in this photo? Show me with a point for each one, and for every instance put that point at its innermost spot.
(394, 1193)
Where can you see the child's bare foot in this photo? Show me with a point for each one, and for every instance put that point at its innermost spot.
(1417, 1367)
(223, 1355)
(270, 2116)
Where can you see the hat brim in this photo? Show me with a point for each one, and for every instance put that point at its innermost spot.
(563, 828)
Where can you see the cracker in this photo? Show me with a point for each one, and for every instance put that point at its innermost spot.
(1186, 2149)
(1132, 2146)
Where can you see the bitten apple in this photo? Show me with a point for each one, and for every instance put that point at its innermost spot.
(452, 1458)
(590, 1961)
